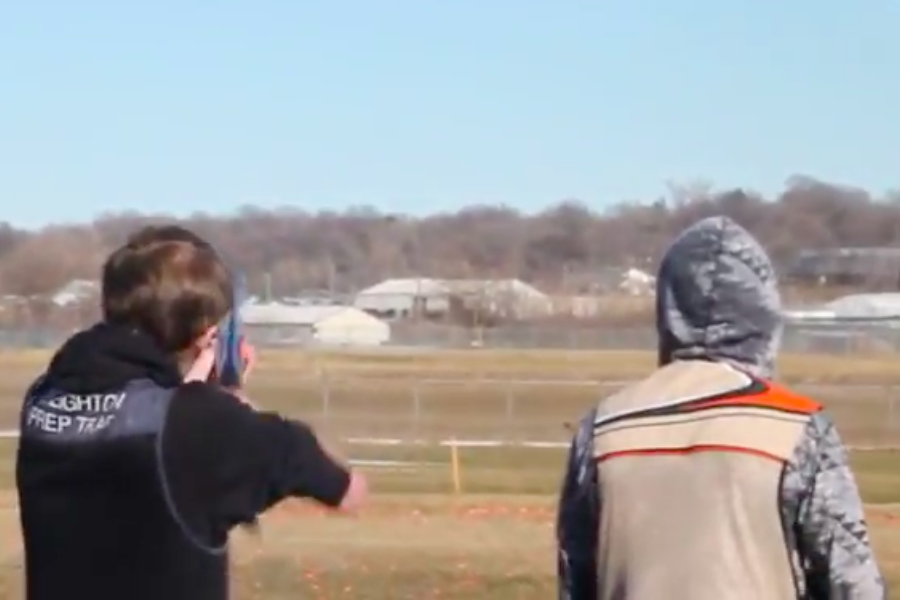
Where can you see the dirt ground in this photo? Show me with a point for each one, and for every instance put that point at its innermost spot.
(490, 548)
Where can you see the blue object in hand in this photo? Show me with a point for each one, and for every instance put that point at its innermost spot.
(229, 362)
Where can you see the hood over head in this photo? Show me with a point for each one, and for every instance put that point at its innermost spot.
(717, 299)
(106, 357)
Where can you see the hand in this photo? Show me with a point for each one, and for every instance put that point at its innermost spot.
(202, 366)
(205, 363)
(248, 357)
(357, 493)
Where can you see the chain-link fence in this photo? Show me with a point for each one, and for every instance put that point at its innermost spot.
(516, 412)
(806, 338)
(814, 339)
(502, 435)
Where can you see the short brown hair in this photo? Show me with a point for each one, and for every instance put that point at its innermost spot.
(167, 282)
(152, 234)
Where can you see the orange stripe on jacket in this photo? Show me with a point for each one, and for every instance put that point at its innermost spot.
(774, 397)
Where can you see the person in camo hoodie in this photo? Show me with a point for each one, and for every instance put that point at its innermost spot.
(707, 480)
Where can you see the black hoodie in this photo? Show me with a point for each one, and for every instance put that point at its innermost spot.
(129, 480)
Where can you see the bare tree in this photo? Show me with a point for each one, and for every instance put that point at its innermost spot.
(344, 251)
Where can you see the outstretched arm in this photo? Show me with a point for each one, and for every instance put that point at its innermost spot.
(577, 519)
(832, 536)
(224, 463)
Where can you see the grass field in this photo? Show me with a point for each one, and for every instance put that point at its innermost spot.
(494, 541)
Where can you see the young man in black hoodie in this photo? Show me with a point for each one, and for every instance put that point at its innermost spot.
(132, 469)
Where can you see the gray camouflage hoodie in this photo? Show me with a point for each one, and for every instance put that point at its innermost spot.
(717, 299)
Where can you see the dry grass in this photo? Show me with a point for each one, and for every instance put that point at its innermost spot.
(507, 395)
(547, 364)
(598, 365)
(495, 542)
(492, 548)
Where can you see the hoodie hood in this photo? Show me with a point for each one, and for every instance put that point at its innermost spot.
(717, 299)
(107, 357)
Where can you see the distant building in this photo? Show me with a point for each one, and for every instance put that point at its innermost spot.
(275, 323)
(399, 298)
(609, 280)
(505, 298)
(77, 290)
(847, 266)
(636, 282)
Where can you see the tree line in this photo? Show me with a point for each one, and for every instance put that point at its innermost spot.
(561, 248)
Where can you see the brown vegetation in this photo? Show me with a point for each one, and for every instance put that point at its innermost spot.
(473, 366)
(562, 249)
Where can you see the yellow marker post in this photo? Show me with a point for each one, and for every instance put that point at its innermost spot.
(454, 466)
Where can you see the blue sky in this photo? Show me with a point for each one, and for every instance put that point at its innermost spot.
(427, 105)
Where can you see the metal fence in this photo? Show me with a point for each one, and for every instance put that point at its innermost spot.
(507, 412)
(807, 338)
(852, 338)
(429, 411)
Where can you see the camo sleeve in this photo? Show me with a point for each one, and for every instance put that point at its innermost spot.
(836, 561)
(577, 519)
